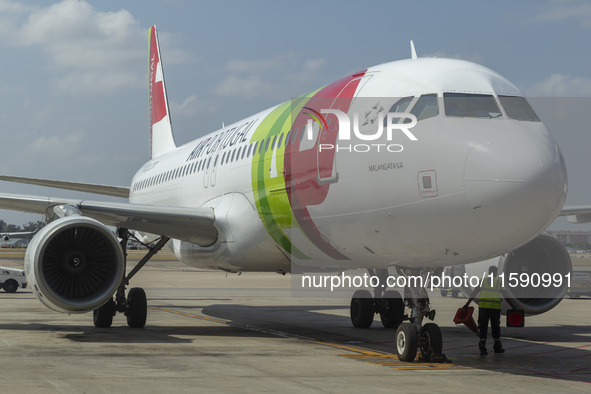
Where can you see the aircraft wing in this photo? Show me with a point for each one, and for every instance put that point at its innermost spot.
(577, 213)
(187, 224)
(116, 191)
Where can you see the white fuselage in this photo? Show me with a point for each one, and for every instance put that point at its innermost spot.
(469, 188)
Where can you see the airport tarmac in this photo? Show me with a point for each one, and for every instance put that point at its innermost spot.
(212, 332)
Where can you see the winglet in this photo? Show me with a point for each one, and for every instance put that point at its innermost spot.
(161, 138)
(413, 53)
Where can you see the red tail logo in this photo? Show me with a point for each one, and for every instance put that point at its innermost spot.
(157, 99)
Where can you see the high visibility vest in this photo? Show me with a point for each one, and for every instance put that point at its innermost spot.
(490, 295)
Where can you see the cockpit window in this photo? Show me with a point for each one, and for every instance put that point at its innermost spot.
(426, 107)
(518, 108)
(399, 106)
(471, 105)
(402, 104)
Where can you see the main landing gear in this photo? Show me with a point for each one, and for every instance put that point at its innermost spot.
(411, 334)
(135, 305)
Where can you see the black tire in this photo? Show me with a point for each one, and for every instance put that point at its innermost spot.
(430, 341)
(406, 342)
(454, 293)
(362, 309)
(137, 308)
(444, 293)
(394, 313)
(103, 316)
(10, 286)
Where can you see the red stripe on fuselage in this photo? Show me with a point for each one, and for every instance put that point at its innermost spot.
(302, 168)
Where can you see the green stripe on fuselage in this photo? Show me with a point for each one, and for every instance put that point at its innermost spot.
(270, 193)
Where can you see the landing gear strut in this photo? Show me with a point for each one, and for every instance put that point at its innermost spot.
(134, 306)
(411, 334)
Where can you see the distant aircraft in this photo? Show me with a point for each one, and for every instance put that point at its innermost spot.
(8, 236)
(412, 166)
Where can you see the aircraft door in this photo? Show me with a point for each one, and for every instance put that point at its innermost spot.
(206, 172)
(213, 171)
(326, 158)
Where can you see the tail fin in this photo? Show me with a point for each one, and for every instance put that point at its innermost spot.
(161, 138)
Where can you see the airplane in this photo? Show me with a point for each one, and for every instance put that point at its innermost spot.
(8, 236)
(405, 167)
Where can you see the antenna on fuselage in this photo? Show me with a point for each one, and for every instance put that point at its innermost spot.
(413, 53)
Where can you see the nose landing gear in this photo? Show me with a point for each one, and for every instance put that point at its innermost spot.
(411, 335)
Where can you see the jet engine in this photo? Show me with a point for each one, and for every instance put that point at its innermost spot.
(536, 275)
(74, 264)
(542, 268)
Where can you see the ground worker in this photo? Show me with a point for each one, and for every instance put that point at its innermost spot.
(489, 308)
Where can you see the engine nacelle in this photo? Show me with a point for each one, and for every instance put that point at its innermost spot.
(74, 264)
(542, 255)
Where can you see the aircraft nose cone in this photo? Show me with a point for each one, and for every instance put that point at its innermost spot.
(515, 189)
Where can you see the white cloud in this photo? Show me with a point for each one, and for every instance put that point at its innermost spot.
(250, 86)
(559, 10)
(190, 107)
(259, 65)
(313, 64)
(67, 145)
(92, 82)
(275, 77)
(561, 85)
(471, 57)
(100, 52)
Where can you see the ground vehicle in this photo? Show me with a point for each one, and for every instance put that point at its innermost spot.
(580, 284)
(455, 270)
(12, 279)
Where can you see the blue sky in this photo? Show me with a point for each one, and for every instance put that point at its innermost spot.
(73, 99)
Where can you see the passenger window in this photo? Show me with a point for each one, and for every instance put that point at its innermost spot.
(254, 150)
(273, 144)
(243, 152)
(287, 137)
(471, 105)
(249, 150)
(426, 107)
(294, 136)
(518, 108)
(223, 157)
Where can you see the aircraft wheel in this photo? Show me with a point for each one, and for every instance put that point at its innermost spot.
(454, 293)
(406, 342)
(103, 315)
(137, 308)
(10, 286)
(394, 313)
(430, 341)
(362, 309)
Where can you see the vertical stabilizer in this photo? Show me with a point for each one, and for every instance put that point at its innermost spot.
(161, 138)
